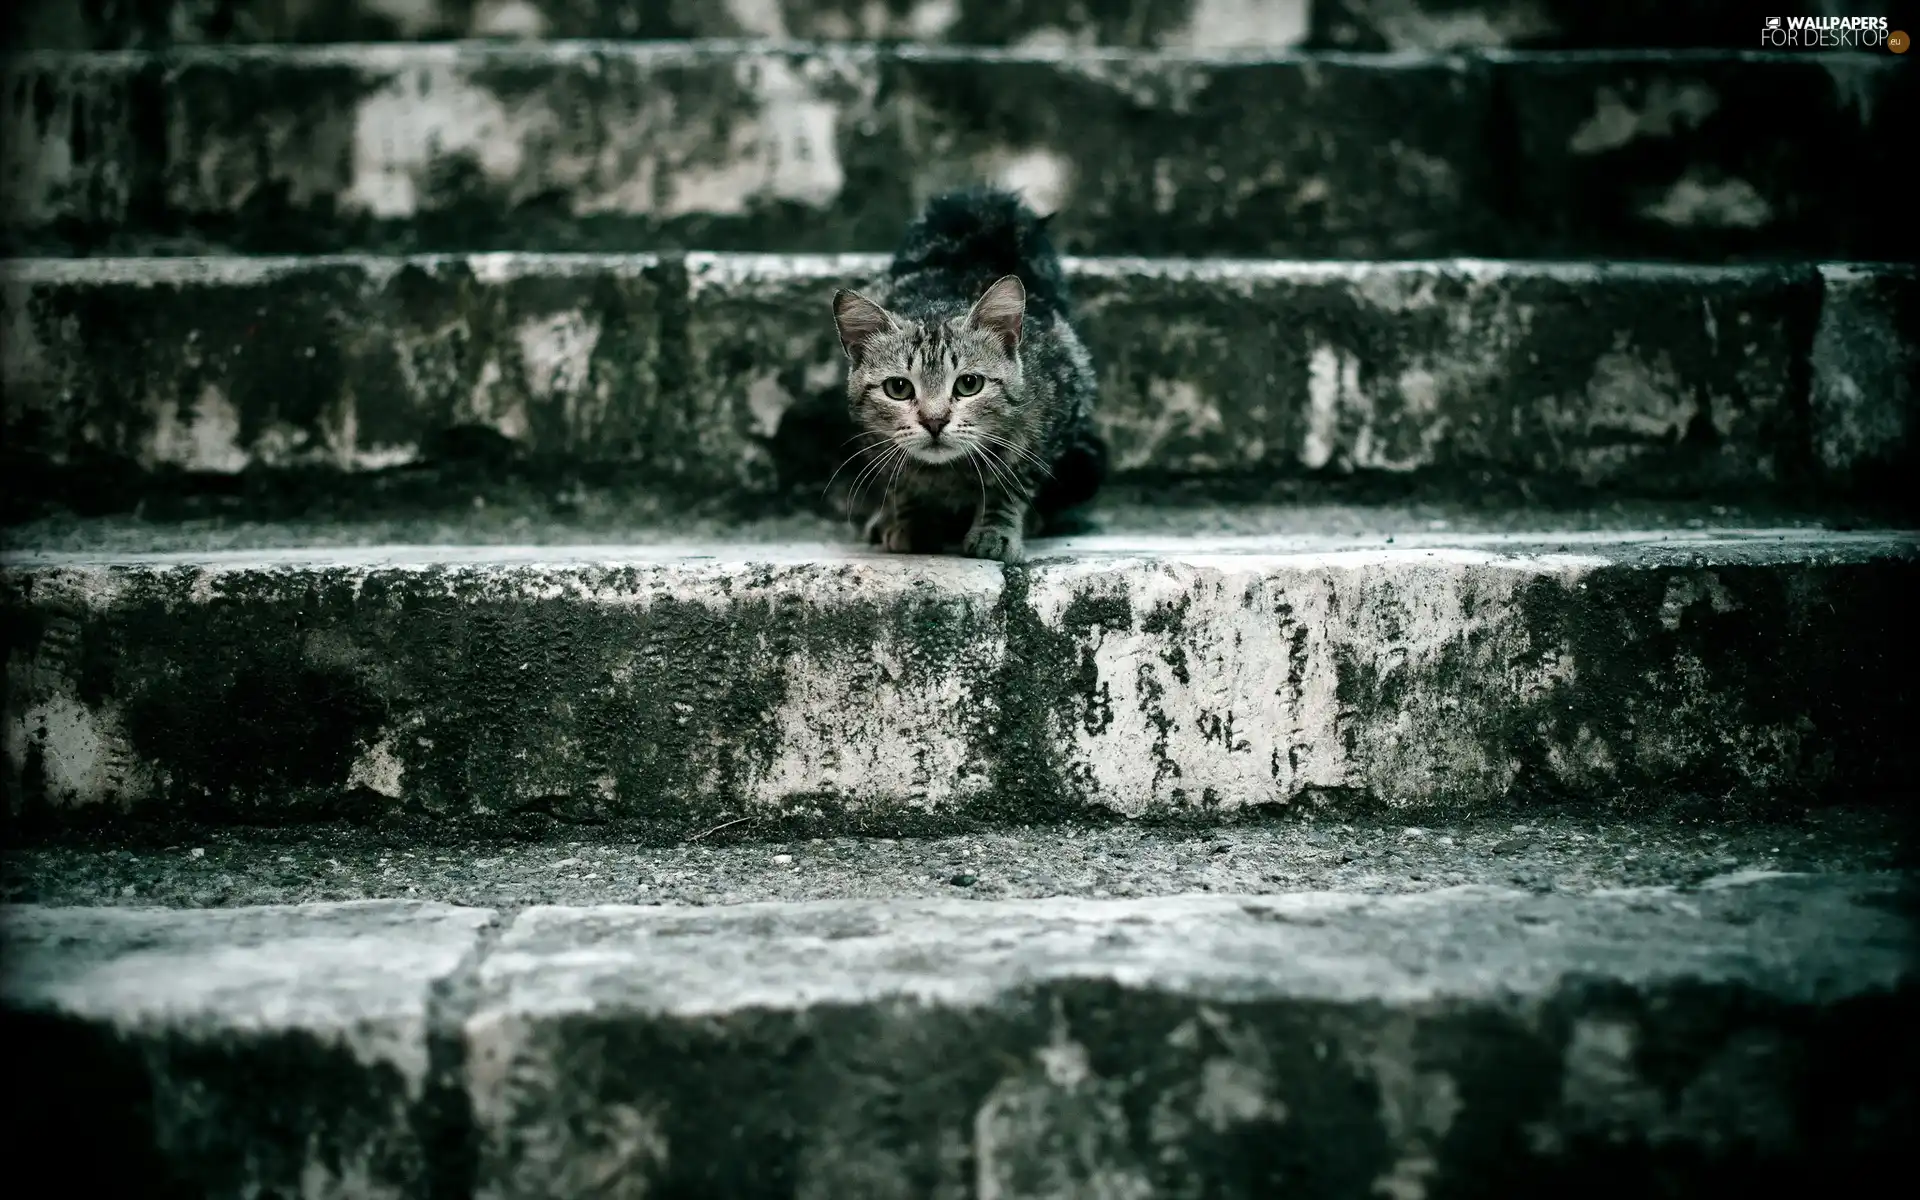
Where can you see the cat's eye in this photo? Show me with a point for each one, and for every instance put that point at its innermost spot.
(968, 384)
(898, 387)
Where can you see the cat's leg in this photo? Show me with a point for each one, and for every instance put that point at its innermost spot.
(891, 527)
(998, 528)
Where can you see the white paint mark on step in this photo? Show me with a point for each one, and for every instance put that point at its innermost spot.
(1696, 201)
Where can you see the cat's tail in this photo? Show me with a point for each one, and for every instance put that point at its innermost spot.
(982, 234)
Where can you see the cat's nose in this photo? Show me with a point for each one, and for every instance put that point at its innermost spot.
(934, 425)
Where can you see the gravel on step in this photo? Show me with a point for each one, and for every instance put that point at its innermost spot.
(238, 867)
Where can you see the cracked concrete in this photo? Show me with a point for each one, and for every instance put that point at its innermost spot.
(1229, 1038)
(162, 1022)
(1115, 675)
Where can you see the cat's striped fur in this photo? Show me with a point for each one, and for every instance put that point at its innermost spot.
(972, 394)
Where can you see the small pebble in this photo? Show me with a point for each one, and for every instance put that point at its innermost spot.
(963, 881)
(197, 852)
(782, 860)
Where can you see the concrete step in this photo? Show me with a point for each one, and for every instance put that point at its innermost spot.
(520, 513)
(719, 374)
(1576, 25)
(1755, 1032)
(722, 145)
(748, 862)
(672, 688)
(1157, 24)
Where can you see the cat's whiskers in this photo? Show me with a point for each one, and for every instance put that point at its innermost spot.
(854, 456)
(893, 457)
(873, 467)
(1002, 473)
(876, 469)
(1023, 451)
(977, 454)
(977, 475)
(897, 468)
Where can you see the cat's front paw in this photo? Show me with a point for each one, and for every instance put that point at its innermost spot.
(992, 542)
(889, 532)
(896, 537)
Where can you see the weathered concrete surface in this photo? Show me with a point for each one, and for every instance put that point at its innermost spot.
(1558, 24)
(1147, 24)
(1468, 1042)
(716, 146)
(708, 372)
(520, 519)
(668, 689)
(223, 364)
(1168, 24)
(720, 146)
(266, 1051)
(1753, 1032)
(1700, 154)
(1867, 343)
(766, 859)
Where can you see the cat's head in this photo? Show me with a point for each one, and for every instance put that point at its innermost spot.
(936, 389)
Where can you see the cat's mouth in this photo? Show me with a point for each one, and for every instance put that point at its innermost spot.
(937, 453)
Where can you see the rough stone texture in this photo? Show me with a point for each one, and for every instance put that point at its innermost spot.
(1698, 155)
(1752, 1032)
(668, 689)
(1648, 378)
(1471, 1042)
(721, 373)
(1558, 24)
(1154, 24)
(718, 146)
(218, 365)
(545, 861)
(1167, 24)
(509, 517)
(267, 1051)
(1866, 377)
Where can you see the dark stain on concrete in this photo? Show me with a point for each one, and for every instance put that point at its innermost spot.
(114, 1100)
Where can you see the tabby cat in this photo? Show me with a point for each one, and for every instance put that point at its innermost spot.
(972, 394)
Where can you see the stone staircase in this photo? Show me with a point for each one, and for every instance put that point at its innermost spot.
(452, 749)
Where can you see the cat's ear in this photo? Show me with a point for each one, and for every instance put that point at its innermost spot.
(859, 320)
(1001, 310)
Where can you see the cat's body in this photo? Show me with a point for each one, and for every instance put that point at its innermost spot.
(971, 391)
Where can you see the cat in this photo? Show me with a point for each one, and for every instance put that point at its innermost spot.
(971, 392)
